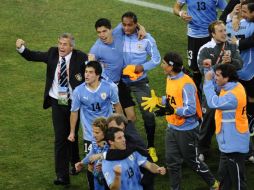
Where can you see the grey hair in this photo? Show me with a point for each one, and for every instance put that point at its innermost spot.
(69, 36)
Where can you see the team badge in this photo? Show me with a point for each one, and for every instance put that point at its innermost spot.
(140, 47)
(131, 157)
(106, 175)
(103, 95)
(78, 77)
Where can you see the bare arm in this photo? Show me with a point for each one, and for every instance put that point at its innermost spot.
(177, 8)
(181, 13)
(116, 185)
(154, 168)
(141, 31)
(73, 122)
(118, 108)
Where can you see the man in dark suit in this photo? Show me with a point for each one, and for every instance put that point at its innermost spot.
(65, 71)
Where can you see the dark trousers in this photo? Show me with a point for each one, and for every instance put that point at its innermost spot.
(232, 171)
(141, 89)
(182, 146)
(207, 128)
(65, 151)
(194, 45)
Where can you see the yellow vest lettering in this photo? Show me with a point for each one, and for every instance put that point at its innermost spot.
(174, 91)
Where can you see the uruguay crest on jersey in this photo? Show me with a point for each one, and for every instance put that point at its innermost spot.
(104, 95)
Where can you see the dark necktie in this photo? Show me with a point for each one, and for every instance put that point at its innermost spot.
(63, 74)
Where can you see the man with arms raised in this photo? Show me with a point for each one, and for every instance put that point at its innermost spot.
(216, 51)
(65, 68)
(232, 132)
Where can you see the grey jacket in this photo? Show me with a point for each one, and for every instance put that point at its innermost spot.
(212, 51)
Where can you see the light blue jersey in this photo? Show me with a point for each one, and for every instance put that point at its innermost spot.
(203, 12)
(110, 56)
(136, 51)
(229, 138)
(131, 176)
(93, 104)
(98, 176)
(245, 30)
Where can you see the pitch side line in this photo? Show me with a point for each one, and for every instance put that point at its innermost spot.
(149, 5)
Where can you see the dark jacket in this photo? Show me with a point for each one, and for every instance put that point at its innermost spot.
(211, 50)
(51, 58)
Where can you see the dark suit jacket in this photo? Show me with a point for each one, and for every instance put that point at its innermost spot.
(51, 58)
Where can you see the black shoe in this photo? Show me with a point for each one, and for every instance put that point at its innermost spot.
(61, 181)
(73, 171)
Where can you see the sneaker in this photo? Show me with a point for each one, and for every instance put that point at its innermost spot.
(251, 159)
(216, 185)
(152, 153)
(201, 157)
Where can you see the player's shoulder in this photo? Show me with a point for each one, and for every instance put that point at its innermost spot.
(108, 83)
(97, 43)
(149, 37)
(81, 86)
(105, 82)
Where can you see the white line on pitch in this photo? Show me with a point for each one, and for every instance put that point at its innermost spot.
(149, 5)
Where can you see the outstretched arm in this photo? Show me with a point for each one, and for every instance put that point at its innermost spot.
(30, 55)
(181, 13)
(154, 168)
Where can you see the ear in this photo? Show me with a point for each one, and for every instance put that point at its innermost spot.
(110, 142)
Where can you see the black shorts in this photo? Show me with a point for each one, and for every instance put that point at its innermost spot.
(193, 47)
(249, 86)
(125, 97)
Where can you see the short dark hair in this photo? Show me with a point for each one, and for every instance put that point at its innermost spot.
(228, 70)
(101, 122)
(118, 118)
(132, 15)
(244, 2)
(96, 65)
(174, 59)
(211, 27)
(251, 6)
(110, 134)
(103, 22)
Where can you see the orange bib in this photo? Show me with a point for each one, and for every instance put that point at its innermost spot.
(241, 120)
(174, 91)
